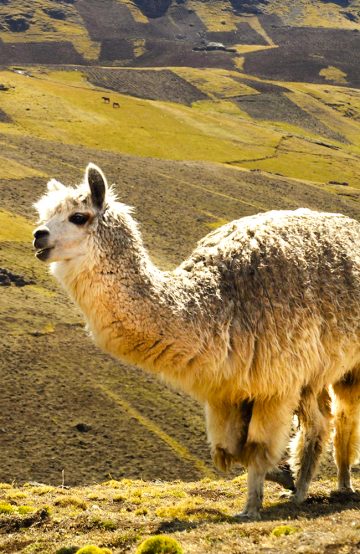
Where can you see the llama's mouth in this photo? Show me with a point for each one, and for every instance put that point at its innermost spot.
(43, 254)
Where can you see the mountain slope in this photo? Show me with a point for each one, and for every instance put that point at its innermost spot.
(197, 140)
(295, 41)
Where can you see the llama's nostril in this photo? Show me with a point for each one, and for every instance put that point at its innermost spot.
(41, 232)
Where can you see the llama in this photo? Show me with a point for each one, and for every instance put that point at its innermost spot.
(257, 323)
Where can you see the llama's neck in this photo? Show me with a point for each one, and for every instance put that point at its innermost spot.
(137, 313)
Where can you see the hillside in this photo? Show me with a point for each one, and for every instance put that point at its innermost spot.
(54, 128)
(202, 134)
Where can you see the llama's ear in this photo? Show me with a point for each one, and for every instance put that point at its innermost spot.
(97, 184)
(54, 185)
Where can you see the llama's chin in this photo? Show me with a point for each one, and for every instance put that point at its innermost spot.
(43, 254)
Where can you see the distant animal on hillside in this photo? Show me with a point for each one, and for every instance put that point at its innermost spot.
(258, 322)
(116, 105)
(105, 99)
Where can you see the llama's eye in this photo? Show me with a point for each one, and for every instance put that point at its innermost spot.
(79, 219)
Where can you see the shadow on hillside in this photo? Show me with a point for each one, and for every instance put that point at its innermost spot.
(314, 507)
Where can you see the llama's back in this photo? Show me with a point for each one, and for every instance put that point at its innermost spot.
(292, 280)
(297, 256)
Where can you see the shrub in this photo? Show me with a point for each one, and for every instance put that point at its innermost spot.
(6, 508)
(282, 530)
(23, 510)
(160, 544)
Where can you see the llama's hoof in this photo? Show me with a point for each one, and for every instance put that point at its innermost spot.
(293, 496)
(299, 497)
(346, 490)
(248, 515)
(287, 495)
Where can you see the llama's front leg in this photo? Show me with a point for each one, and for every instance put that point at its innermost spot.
(268, 435)
(227, 430)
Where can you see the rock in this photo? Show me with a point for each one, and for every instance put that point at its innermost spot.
(213, 46)
(55, 13)
(4, 280)
(83, 427)
(7, 278)
(17, 23)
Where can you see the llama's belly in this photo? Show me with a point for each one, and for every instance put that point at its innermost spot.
(272, 368)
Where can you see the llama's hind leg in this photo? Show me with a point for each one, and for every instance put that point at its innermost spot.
(268, 435)
(314, 416)
(347, 427)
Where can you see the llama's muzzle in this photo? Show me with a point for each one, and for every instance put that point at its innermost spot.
(41, 243)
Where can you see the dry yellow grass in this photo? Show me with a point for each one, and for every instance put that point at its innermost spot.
(119, 515)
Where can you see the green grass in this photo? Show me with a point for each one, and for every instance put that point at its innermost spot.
(61, 106)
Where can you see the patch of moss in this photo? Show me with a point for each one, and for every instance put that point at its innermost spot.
(23, 510)
(71, 501)
(332, 73)
(67, 550)
(160, 544)
(91, 549)
(141, 512)
(6, 508)
(100, 523)
(283, 530)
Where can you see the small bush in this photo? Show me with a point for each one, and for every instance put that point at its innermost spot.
(160, 544)
(67, 550)
(22, 510)
(6, 508)
(141, 512)
(283, 530)
(74, 501)
(100, 523)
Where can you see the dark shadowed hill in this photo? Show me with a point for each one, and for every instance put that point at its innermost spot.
(288, 41)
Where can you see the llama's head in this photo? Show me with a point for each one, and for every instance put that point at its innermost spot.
(74, 220)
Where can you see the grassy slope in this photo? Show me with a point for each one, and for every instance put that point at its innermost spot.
(56, 122)
(61, 106)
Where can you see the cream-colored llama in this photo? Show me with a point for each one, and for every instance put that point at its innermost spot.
(265, 313)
